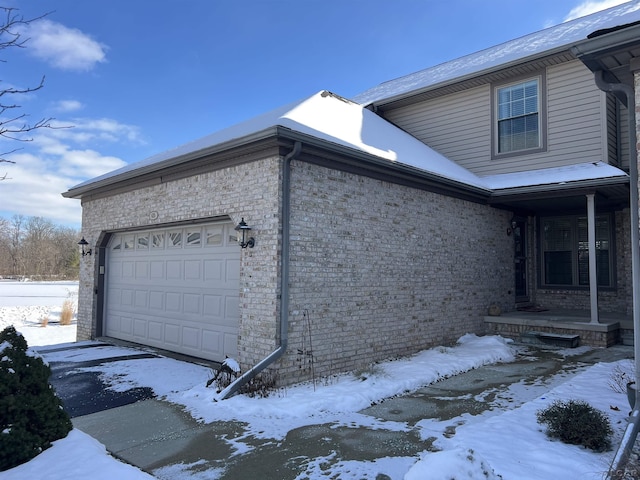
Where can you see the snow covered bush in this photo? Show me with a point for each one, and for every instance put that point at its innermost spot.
(577, 423)
(31, 415)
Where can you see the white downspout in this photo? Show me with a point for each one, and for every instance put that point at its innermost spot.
(284, 283)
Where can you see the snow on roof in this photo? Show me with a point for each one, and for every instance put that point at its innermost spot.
(327, 117)
(338, 121)
(554, 176)
(536, 44)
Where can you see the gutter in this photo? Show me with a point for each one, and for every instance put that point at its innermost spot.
(616, 470)
(284, 284)
(165, 160)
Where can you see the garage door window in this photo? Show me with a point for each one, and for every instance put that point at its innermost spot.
(214, 235)
(142, 242)
(193, 238)
(175, 239)
(157, 240)
(128, 242)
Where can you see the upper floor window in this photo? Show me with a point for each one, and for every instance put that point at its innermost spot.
(518, 120)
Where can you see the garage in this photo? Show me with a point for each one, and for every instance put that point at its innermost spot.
(175, 288)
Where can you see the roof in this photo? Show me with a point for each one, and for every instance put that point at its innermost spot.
(339, 123)
(535, 45)
(554, 176)
(347, 127)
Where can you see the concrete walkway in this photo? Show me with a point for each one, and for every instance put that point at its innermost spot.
(151, 434)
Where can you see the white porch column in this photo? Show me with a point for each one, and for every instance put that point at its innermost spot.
(593, 275)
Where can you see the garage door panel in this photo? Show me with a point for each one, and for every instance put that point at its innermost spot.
(112, 326)
(156, 300)
(156, 270)
(140, 328)
(174, 302)
(211, 342)
(191, 338)
(231, 345)
(114, 298)
(126, 297)
(142, 270)
(155, 331)
(174, 269)
(213, 306)
(191, 303)
(213, 270)
(232, 307)
(141, 299)
(176, 289)
(192, 269)
(172, 334)
(125, 325)
(115, 268)
(128, 269)
(232, 270)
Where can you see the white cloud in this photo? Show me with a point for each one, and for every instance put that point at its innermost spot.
(66, 106)
(63, 47)
(35, 183)
(84, 131)
(591, 6)
(56, 160)
(32, 189)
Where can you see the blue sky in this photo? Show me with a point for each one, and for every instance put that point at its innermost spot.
(136, 78)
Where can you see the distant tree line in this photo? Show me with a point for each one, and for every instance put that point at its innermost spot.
(37, 248)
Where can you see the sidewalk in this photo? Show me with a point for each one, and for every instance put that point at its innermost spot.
(154, 434)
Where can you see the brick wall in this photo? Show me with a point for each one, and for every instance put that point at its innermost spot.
(380, 270)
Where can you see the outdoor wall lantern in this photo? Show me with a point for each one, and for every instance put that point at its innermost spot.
(513, 226)
(243, 230)
(83, 243)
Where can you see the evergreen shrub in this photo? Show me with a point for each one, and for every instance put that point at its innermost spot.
(31, 415)
(577, 423)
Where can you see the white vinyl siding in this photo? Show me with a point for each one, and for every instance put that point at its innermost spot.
(459, 125)
(623, 132)
(613, 137)
(576, 117)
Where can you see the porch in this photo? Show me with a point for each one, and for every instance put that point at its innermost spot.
(562, 325)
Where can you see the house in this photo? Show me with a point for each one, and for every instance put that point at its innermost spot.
(379, 226)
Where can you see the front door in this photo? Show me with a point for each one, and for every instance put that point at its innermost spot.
(520, 259)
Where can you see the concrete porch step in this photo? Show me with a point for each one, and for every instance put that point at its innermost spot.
(626, 338)
(547, 338)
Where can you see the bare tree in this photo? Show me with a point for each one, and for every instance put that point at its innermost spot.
(37, 248)
(5, 244)
(13, 123)
(16, 234)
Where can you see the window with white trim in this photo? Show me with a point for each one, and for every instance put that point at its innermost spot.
(518, 116)
(565, 251)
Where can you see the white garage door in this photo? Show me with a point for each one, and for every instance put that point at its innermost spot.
(176, 289)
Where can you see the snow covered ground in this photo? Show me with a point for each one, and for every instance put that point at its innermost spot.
(506, 444)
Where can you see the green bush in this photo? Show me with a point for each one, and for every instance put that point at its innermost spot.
(31, 415)
(577, 423)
